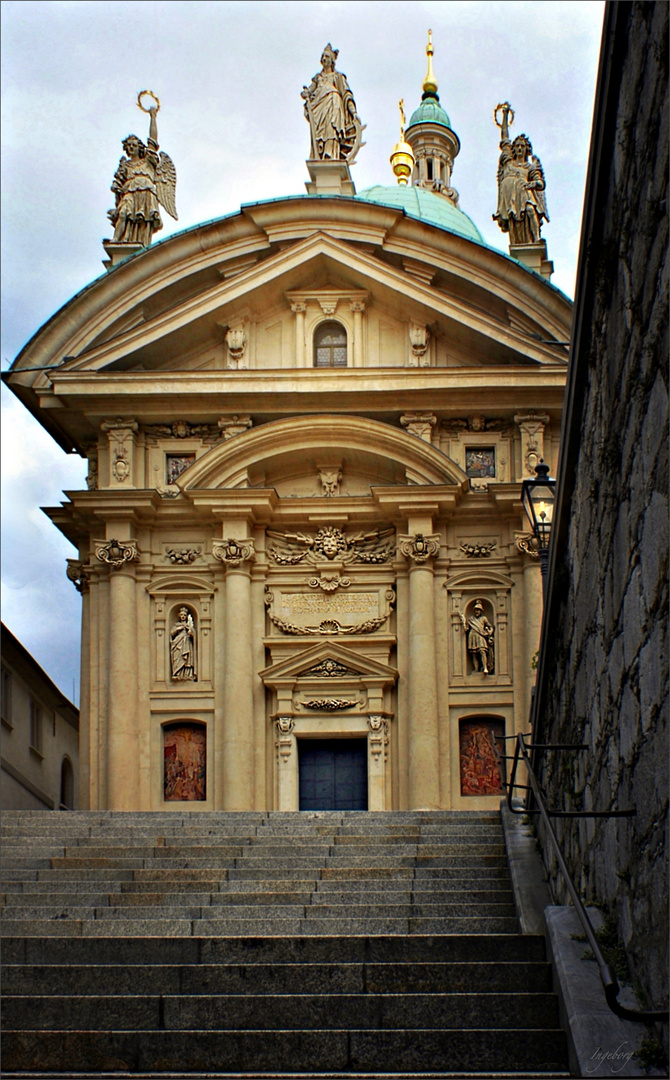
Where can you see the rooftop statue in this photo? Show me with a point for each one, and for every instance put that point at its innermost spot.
(331, 110)
(142, 181)
(521, 200)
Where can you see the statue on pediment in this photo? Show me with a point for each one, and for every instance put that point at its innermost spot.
(521, 186)
(331, 110)
(143, 180)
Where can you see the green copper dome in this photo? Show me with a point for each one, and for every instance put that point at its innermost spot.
(430, 112)
(425, 205)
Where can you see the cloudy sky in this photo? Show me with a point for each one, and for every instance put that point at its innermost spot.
(229, 75)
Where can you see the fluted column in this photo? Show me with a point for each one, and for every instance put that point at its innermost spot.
(238, 719)
(424, 777)
(123, 760)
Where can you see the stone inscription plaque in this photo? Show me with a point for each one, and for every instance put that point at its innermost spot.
(347, 608)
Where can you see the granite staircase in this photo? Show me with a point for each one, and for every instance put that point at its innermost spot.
(255, 944)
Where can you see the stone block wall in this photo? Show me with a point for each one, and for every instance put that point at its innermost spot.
(603, 676)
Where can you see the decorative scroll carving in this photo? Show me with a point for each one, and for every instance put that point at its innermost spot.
(480, 635)
(79, 574)
(527, 544)
(330, 543)
(182, 429)
(331, 111)
(115, 553)
(330, 477)
(330, 704)
(418, 339)
(420, 424)
(91, 451)
(183, 557)
(329, 668)
(183, 648)
(233, 552)
(329, 582)
(478, 550)
(419, 548)
(236, 340)
(234, 424)
(330, 626)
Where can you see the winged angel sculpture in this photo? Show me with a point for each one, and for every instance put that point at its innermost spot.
(142, 181)
(330, 544)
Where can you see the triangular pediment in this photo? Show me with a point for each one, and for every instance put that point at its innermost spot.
(191, 328)
(328, 660)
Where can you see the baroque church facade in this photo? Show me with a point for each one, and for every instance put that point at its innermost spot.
(306, 579)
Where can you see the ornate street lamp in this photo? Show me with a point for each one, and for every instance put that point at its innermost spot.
(537, 496)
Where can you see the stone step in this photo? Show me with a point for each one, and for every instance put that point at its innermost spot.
(397, 1052)
(296, 1010)
(145, 949)
(280, 978)
(265, 924)
(216, 907)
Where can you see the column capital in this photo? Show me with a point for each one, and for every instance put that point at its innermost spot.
(116, 552)
(234, 552)
(419, 548)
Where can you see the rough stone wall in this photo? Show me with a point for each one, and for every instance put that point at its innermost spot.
(604, 676)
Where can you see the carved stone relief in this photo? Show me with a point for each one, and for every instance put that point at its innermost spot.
(418, 340)
(181, 429)
(284, 742)
(233, 552)
(419, 548)
(330, 543)
(531, 427)
(329, 583)
(234, 424)
(478, 551)
(329, 668)
(236, 340)
(330, 477)
(115, 553)
(121, 440)
(183, 557)
(331, 704)
(79, 574)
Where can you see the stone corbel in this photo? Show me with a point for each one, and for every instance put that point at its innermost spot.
(234, 424)
(378, 727)
(236, 340)
(418, 339)
(531, 426)
(79, 574)
(284, 727)
(116, 552)
(527, 545)
(419, 548)
(233, 552)
(330, 477)
(420, 424)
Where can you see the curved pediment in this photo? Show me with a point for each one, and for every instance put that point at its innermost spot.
(376, 453)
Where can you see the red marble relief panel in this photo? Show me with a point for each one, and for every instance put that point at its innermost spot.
(479, 768)
(185, 755)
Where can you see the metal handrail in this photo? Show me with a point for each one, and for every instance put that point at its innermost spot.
(607, 976)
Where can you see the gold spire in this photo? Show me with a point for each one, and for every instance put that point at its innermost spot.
(430, 82)
(402, 157)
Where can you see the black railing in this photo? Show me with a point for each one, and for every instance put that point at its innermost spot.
(607, 976)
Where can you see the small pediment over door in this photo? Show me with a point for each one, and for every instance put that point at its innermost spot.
(329, 676)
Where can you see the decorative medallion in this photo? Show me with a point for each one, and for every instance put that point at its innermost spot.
(115, 553)
(233, 552)
(419, 548)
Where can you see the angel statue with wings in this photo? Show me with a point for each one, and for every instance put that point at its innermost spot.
(142, 181)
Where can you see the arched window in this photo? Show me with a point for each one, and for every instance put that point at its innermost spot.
(66, 785)
(330, 345)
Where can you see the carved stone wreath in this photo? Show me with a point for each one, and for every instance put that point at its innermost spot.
(329, 704)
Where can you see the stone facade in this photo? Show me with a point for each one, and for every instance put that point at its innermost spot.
(40, 736)
(306, 426)
(603, 674)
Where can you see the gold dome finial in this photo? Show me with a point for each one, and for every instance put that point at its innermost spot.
(402, 158)
(430, 82)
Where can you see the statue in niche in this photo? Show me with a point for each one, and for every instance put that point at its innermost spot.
(331, 110)
(479, 639)
(521, 200)
(183, 648)
(142, 181)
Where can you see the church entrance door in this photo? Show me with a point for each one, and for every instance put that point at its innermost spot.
(333, 774)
